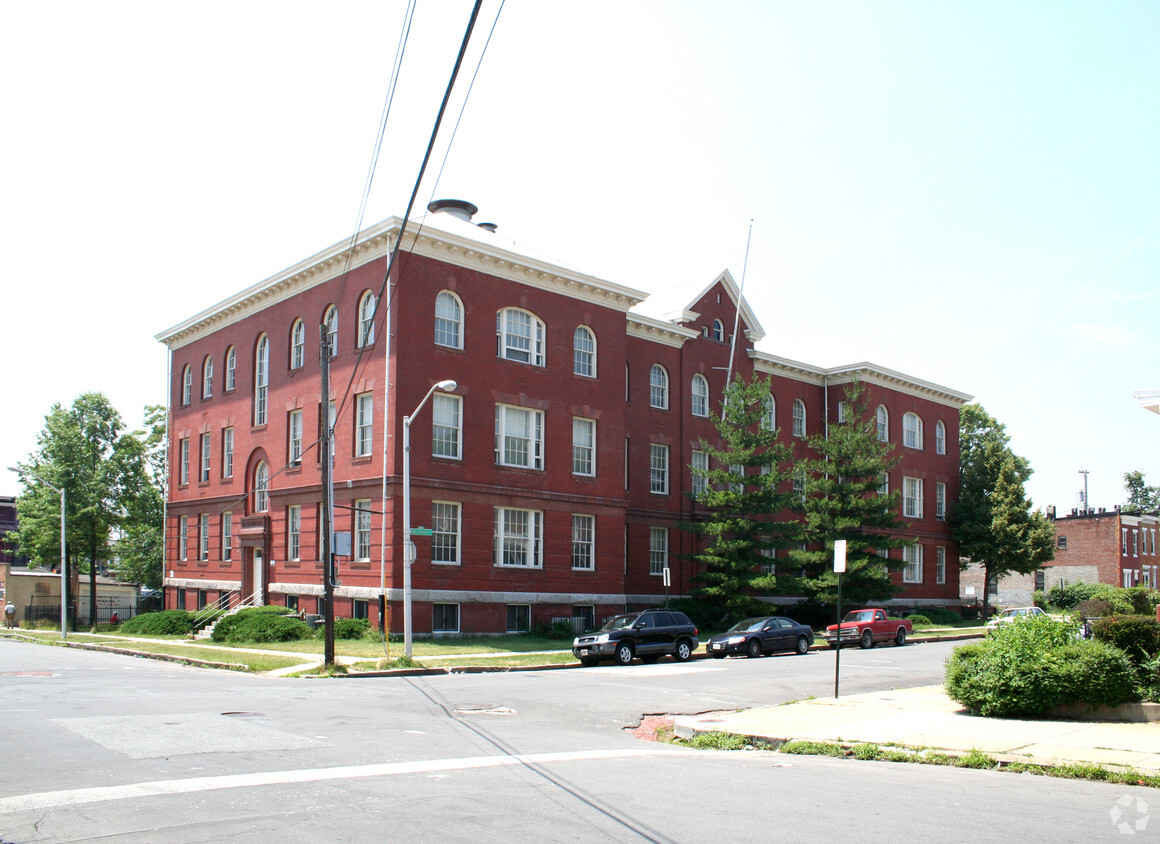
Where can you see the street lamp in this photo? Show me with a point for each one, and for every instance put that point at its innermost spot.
(63, 571)
(408, 545)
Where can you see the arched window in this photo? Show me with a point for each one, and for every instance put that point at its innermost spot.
(297, 344)
(261, 379)
(940, 438)
(912, 430)
(366, 319)
(883, 420)
(584, 352)
(769, 421)
(330, 320)
(261, 487)
(186, 384)
(207, 377)
(799, 418)
(718, 331)
(658, 387)
(448, 320)
(231, 368)
(520, 336)
(700, 393)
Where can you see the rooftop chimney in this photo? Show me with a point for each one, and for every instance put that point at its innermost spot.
(460, 208)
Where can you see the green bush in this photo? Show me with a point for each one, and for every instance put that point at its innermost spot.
(1066, 597)
(1148, 679)
(938, 615)
(1028, 667)
(918, 618)
(261, 624)
(350, 628)
(1138, 636)
(164, 623)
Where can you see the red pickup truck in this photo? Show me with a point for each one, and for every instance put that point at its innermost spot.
(868, 627)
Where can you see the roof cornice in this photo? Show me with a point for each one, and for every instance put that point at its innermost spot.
(659, 331)
(865, 371)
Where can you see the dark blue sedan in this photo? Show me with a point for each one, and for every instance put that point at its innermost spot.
(759, 636)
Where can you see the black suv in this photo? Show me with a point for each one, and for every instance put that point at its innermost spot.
(649, 634)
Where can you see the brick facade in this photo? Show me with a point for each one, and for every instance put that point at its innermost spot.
(1107, 546)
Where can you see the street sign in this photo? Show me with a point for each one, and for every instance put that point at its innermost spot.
(839, 555)
(421, 531)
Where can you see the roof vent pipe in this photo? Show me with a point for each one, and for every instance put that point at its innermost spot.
(460, 208)
(491, 227)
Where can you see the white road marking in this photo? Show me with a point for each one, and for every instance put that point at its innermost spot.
(132, 791)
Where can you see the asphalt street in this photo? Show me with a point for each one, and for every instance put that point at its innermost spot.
(101, 746)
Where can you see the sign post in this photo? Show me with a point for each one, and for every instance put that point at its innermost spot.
(839, 567)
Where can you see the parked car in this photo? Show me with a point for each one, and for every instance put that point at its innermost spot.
(868, 627)
(649, 634)
(1013, 614)
(759, 636)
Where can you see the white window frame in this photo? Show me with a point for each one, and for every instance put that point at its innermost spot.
(509, 420)
(227, 535)
(940, 565)
(882, 423)
(583, 446)
(798, 482)
(699, 460)
(366, 319)
(294, 429)
(584, 352)
(658, 551)
(261, 487)
(739, 470)
(205, 445)
(183, 461)
(448, 320)
(912, 431)
(940, 501)
(884, 484)
(187, 384)
(912, 570)
(362, 530)
(799, 418)
(519, 536)
(718, 331)
(261, 380)
(294, 532)
(183, 537)
(446, 532)
(207, 377)
(658, 469)
(520, 336)
(940, 437)
(203, 537)
(769, 420)
(231, 369)
(841, 411)
(583, 542)
(699, 394)
(297, 344)
(228, 452)
(447, 426)
(364, 425)
(912, 497)
(1123, 542)
(658, 387)
(330, 320)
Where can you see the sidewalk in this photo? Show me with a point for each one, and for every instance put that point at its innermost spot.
(926, 717)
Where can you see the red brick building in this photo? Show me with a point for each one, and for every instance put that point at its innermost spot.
(553, 476)
(1105, 546)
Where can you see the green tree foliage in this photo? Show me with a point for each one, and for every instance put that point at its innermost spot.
(993, 521)
(139, 550)
(746, 490)
(85, 450)
(1141, 497)
(843, 500)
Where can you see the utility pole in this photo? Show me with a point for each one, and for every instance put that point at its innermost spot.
(1086, 506)
(327, 503)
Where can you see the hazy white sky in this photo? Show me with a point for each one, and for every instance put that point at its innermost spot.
(968, 193)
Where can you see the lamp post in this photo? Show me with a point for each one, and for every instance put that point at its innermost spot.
(408, 545)
(63, 570)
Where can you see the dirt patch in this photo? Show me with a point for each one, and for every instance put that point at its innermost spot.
(649, 725)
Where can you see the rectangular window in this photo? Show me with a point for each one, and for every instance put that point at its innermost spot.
(884, 484)
(799, 484)
(292, 603)
(912, 497)
(362, 529)
(912, 571)
(183, 461)
(583, 542)
(294, 532)
(227, 452)
(1040, 581)
(940, 501)
(699, 465)
(583, 446)
(940, 566)
(227, 535)
(294, 427)
(364, 424)
(841, 412)
(183, 538)
(658, 469)
(658, 550)
(203, 536)
(1135, 543)
(445, 532)
(446, 425)
(519, 618)
(445, 618)
(518, 537)
(1153, 542)
(1123, 540)
(519, 437)
(770, 567)
(205, 449)
(584, 617)
(358, 608)
(737, 471)
(1061, 542)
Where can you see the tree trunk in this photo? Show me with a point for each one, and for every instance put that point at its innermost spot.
(986, 590)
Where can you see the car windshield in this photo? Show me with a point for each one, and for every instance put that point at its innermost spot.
(747, 625)
(860, 615)
(620, 622)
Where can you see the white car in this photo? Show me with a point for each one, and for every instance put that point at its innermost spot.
(1013, 614)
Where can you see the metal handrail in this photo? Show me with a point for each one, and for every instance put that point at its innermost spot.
(210, 611)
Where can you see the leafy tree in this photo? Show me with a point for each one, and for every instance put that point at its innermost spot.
(86, 451)
(139, 550)
(1141, 496)
(745, 488)
(993, 521)
(843, 500)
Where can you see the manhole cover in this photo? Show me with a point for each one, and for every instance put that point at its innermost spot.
(484, 709)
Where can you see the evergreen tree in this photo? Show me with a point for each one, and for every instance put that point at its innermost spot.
(844, 500)
(745, 488)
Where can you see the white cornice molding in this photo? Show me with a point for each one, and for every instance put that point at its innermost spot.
(659, 331)
(865, 371)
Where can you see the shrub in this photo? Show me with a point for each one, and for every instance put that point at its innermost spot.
(919, 618)
(556, 630)
(1138, 636)
(1094, 608)
(1068, 596)
(1035, 664)
(350, 628)
(1148, 679)
(938, 615)
(164, 623)
(261, 624)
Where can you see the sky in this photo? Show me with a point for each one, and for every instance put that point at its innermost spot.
(967, 193)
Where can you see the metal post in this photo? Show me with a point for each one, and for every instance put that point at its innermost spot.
(327, 504)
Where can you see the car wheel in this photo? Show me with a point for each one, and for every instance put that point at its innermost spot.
(753, 648)
(624, 654)
(900, 637)
(867, 640)
(803, 645)
(588, 661)
(684, 651)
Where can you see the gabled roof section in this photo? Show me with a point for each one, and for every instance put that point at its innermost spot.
(676, 304)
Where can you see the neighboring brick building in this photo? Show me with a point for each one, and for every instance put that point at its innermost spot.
(1106, 546)
(554, 476)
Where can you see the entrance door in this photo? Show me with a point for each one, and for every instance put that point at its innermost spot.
(258, 576)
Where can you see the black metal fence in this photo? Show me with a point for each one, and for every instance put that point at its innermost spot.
(105, 613)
